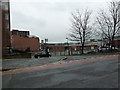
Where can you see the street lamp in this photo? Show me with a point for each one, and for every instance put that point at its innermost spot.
(46, 40)
(68, 46)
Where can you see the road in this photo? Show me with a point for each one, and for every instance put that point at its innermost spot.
(93, 73)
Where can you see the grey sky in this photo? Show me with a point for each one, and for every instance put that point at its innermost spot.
(49, 18)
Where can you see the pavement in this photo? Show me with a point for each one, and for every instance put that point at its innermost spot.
(11, 64)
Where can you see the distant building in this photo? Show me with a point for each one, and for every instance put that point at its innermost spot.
(21, 41)
(5, 27)
(20, 33)
(70, 48)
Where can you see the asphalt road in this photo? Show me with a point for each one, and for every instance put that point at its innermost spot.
(100, 74)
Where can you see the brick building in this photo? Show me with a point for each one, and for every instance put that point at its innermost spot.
(21, 41)
(20, 33)
(5, 27)
(71, 48)
(117, 42)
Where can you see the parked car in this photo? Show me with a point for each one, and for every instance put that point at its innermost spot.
(91, 51)
(42, 54)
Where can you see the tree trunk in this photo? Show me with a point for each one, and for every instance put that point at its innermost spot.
(82, 50)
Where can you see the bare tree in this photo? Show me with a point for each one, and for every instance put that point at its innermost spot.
(109, 23)
(80, 29)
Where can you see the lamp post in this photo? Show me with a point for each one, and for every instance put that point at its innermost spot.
(68, 46)
(46, 40)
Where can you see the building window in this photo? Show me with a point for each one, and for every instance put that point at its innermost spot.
(0, 5)
(5, 5)
(7, 26)
(6, 16)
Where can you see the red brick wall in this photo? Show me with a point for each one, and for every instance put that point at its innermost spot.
(58, 48)
(22, 43)
(117, 43)
(5, 28)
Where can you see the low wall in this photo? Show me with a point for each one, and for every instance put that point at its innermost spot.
(23, 55)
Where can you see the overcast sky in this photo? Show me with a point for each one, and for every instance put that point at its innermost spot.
(49, 18)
